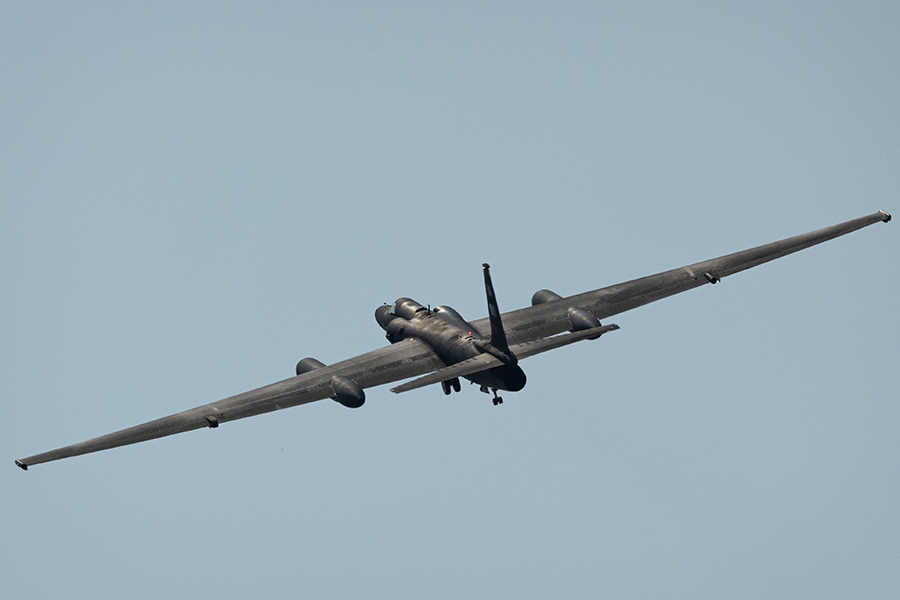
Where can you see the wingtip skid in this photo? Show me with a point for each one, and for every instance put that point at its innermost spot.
(21, 465)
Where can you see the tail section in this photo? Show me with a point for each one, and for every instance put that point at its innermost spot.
(498, 336)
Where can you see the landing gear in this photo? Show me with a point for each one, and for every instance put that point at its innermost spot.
(497, 399)
(451, 385)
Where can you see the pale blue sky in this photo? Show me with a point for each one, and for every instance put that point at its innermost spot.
(192, 198)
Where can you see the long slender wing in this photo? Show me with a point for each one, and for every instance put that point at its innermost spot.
(408, 358)
(550, 318)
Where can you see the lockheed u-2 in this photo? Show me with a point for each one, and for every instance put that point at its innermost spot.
(437, 345)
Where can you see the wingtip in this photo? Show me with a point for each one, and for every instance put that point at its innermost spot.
(886, 216)
(21, 465)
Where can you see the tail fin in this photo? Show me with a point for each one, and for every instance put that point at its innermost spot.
(498, 336)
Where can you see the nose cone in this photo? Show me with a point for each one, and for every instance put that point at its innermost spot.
(383, 316)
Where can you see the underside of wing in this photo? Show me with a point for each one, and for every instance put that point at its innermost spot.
(390, 363)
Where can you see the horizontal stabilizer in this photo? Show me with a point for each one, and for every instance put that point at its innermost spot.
(526, 349)
(483, 362)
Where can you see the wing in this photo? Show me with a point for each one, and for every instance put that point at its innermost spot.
(548, 319)
(408, 358)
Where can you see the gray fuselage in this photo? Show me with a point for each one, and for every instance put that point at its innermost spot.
(450, 336)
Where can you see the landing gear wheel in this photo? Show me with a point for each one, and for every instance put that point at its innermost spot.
(445, 385)
(497, 399)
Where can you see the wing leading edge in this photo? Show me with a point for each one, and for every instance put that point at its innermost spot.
(528, 330)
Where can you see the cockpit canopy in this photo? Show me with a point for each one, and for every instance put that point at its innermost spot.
(405, 308)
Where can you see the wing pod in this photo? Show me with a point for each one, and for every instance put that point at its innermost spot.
(347, 392)
(542, 296)
(308, 364)
(579, 318)
(582, 319)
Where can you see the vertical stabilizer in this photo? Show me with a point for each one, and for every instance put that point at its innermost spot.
(498, 336)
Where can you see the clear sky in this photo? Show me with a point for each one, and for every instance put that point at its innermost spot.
(194, 196)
